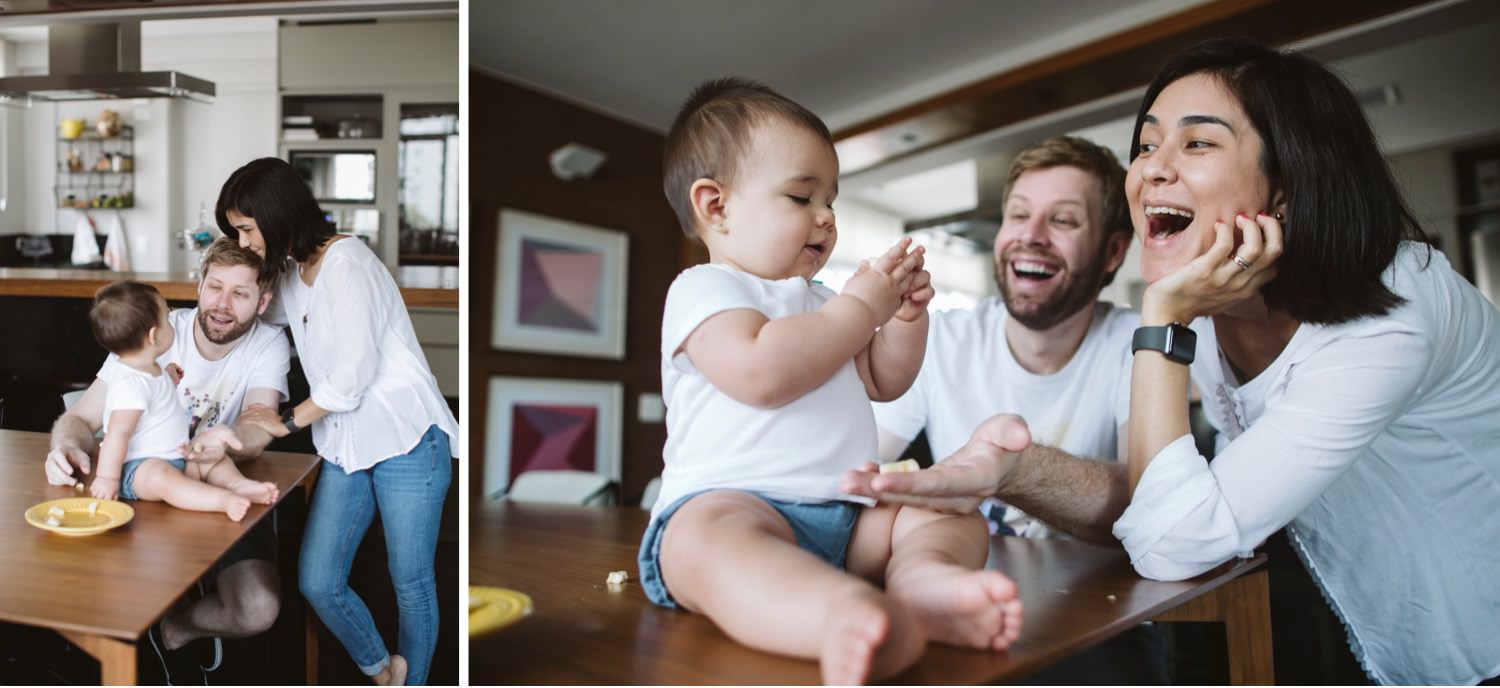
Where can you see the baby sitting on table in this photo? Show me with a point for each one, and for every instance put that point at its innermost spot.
(145, 423)
(768, 378)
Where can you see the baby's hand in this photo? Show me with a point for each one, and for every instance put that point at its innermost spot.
(914, 303)
(105, 488)
(883, 285)
(174, 372)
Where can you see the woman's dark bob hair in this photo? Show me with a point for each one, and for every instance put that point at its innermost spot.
(270, 192)
(1344, 214)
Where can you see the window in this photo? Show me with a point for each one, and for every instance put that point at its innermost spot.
(428, 169)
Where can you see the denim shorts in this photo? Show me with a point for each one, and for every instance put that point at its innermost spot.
(127, 476)
(822, 528)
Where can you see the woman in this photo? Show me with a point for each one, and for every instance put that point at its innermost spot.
(1355, 376)
(379, 422)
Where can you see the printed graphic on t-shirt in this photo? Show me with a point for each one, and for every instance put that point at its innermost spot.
(204, 408)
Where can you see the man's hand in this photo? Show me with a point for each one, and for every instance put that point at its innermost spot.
(265, 418)
(956, 484)
(61, 461)
(105, 488)
(211, 444)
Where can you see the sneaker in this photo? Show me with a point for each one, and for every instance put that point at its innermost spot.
(180, 667)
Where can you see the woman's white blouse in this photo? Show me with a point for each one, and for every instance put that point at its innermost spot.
(1378, 441)
(355, 340)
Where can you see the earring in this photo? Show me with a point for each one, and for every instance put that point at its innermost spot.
(1280, 217)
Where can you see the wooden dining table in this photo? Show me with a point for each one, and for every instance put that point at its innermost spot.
(103, 592)
(1076, 595)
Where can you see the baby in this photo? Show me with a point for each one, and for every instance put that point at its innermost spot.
(768, 378)
(145, 423)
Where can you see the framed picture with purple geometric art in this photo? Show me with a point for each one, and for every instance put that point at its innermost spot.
(560, 288)
(550, 424)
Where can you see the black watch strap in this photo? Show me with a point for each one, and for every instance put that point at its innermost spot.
(1175, 341)
(289, 420)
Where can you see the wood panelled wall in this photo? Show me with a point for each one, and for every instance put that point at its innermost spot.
(514, 130)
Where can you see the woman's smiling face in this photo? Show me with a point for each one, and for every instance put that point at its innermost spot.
(1197, 162)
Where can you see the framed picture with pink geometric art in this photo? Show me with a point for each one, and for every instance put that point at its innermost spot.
(560, 288)
(550, 424)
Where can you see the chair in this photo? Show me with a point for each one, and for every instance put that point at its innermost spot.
(563, 487)
(653, 490)
(70, 398)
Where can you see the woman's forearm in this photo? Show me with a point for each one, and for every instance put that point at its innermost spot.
(1158, 400)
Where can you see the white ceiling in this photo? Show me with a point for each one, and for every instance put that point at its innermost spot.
(847, 60)
(850, 61)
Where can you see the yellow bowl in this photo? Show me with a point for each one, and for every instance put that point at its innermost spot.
(76, 519)
(71, 128)
(491, 609)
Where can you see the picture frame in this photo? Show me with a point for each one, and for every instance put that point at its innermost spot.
(551, 424)
(560, 288)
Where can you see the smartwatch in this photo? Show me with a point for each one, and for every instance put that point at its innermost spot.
(289, 420)
(1175, 341)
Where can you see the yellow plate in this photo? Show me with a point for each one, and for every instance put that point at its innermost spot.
(491, 609)
(76, 519)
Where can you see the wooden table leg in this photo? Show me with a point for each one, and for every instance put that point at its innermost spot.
(1243, 605)
(116, 657)
(1246, 609)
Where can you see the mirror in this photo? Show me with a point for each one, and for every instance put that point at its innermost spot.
(337, 176)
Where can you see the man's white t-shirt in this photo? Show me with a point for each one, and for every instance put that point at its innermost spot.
(970, 374)
(162, 426)
(213, 392)
(796, 452)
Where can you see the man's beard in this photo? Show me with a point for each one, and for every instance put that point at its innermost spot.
(234, 332)
(1080, 288)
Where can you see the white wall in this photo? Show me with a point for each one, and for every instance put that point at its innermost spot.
(208, 142)
(183, 150)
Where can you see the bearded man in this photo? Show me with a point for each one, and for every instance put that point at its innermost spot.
(223, 360)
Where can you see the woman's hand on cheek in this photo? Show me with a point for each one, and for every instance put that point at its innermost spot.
(1223, 276)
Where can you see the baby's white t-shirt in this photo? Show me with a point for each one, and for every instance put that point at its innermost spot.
(796, 452)
(163, 425)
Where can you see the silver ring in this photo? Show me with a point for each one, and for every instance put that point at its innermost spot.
(1244, 265)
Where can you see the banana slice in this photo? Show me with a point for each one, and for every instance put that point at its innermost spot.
(902, 466)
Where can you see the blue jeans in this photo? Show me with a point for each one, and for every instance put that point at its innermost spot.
(409, 491)
(822, 528)
(127, 475)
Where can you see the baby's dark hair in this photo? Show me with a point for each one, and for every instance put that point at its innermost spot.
(712, 133)
(124, 313)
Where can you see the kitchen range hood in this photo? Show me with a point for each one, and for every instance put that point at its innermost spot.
(99, 62)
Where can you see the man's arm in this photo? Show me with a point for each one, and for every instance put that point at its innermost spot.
(73, 437)
(1082, 497)
(252, 437)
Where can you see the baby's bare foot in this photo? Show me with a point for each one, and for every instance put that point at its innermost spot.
(867, 636)
(235, 506)
(260, 493)
(964, 607)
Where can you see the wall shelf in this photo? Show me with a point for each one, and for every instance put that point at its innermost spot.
(95, 171)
